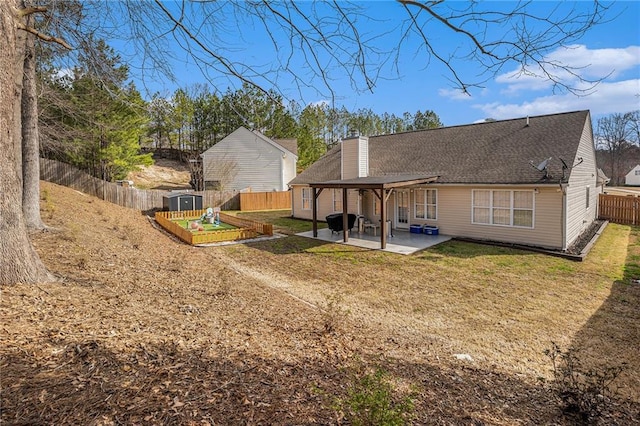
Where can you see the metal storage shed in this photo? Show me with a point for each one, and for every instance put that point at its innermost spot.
(182, 201)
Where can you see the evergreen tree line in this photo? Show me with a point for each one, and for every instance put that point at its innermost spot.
(95, 118)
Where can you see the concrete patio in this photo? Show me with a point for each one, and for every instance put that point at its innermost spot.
(402, 242)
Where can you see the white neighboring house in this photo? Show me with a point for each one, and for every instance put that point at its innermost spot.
(249, 161)
(633, 177)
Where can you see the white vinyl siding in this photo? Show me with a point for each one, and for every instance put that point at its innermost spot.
(306, 198)
(583, 174)
(633, 177)
(426, 204)
(247, 161)
(503, 208)
(354, 157)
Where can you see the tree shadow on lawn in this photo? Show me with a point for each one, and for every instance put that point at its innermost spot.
(611, 336)
(87, 382)
(459, 249)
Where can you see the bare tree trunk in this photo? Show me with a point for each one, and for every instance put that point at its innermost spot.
(19, 263)
(30, 140)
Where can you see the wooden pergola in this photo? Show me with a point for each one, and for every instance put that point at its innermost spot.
(381, 186)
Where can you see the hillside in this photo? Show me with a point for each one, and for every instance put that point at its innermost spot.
(163, 174)
(142, 329)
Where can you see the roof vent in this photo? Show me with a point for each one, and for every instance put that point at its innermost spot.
(527, 121)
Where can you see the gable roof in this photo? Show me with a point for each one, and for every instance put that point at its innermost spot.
(633, 169)
(283, 145)
(498, 152)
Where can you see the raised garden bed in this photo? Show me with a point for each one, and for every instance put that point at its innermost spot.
(230, 228)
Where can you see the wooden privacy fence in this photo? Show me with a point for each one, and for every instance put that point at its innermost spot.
(619, 209)
(134, 198)
(265, 200)
(246, 228)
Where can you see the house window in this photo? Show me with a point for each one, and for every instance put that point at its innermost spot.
(503, 208)
(587, 195)
(481, 206)
(306, 198)
(523, 209)
(425, 203)
(337, 200)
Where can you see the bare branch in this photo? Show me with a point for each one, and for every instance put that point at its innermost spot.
(31, 10)
(44, 37)
(447, 23)
(496, 37)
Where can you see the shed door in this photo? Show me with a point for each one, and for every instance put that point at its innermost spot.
(186, 203)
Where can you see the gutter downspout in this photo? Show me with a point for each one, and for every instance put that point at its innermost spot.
(563, 188)
(282, 172)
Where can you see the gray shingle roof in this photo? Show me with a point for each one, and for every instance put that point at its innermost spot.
(496, 152)
(290, 145)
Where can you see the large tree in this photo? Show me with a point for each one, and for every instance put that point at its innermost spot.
(19, 261)
(30, 139)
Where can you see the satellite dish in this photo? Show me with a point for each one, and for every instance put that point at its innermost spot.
(542, 166)
(564, 164)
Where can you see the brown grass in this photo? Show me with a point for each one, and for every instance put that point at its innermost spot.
(144, 329)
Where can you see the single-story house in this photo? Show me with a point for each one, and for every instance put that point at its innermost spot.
(633, 177)
(528, 181)
(249, 161)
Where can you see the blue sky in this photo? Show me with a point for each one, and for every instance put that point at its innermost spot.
(610, 51)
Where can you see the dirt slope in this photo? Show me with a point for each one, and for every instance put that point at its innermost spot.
(163, 174)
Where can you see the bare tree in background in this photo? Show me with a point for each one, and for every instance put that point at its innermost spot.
(617, 135)
(495, 38)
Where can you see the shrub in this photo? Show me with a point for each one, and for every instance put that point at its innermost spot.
(585, 393)
(333, 314)
(370, 401)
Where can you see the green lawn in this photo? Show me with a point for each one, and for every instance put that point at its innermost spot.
(280, 219)
(207, 226)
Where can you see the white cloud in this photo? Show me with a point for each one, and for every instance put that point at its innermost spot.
(320, 103)
(454, 94)
(64, 73)
(607, 98)
(589, 64)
